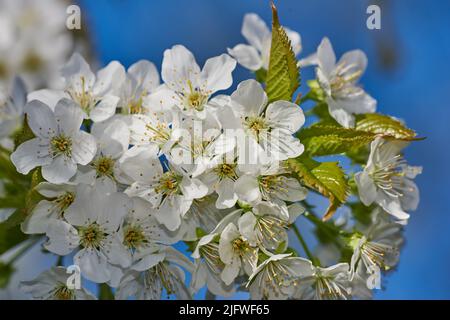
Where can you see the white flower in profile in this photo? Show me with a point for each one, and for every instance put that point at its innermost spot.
(272, 184)
(387, 179)
(236, 253)
(378, 248)
(113, 139)
(339, 80)
(171, 193)
(266, 224)
(256, 55)
(331, 283)
(58, 198)
(209, 269)
(52, 285)
(191, 88)
(12, 102)
(267, 128)
(142, 79)
(96, 94)
(162, 272)
(59, 144)
(278, 277)
(93, 221)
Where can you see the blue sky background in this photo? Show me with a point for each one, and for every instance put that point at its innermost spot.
(408, 74)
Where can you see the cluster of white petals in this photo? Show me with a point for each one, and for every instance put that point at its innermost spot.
(133, 163)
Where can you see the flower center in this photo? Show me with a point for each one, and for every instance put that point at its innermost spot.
(168, 183)
(135, 106)
(195, 98)
(83, 97)
(134, 237)
(104, 166)
(256, 125)
(388, 176)
(92, 236)
(61, 145)
(63, 293)
(64, 201)
(226, 170)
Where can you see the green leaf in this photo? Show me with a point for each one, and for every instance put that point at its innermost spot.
(283, 75)
(325, 139)
(383, 125)
(327, 178)
(328, 138)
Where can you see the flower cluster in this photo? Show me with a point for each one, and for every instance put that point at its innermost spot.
(129, 163)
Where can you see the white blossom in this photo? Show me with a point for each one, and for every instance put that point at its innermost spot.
(59, 144)
(387, 179)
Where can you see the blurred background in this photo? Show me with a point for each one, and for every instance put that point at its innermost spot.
(408, 73)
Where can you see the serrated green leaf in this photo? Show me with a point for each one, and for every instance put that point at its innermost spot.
(327, 178)
(383, 125)
(324, 139)
(328, 138)
(283, 75)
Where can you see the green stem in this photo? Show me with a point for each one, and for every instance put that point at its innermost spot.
(302, 241)
(24, 249)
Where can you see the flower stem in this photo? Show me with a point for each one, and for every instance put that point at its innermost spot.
(302, 241)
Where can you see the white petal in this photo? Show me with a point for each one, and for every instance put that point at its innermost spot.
(247, 56)
(342, 116)
(116, 252)
(391, 205)
(255, 30)
(62, 238)
(40, 119)
(231, 271)
(326, 56)
(48, 97)
(84, 147)
(31, 154)
(247, 189)
(179, 65)
(109, 79)
(146, 75)
(217, 72)
(38, 221)
(285, 114)
(93, 265)
(60, 170)
(366, 188)
(193, 188)
(69, 116)
(249, 98)
(76, 69)
(105, 109)
(226, 195)
(356, 58)
(246, 225)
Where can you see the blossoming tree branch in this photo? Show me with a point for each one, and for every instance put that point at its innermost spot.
(117, 168)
